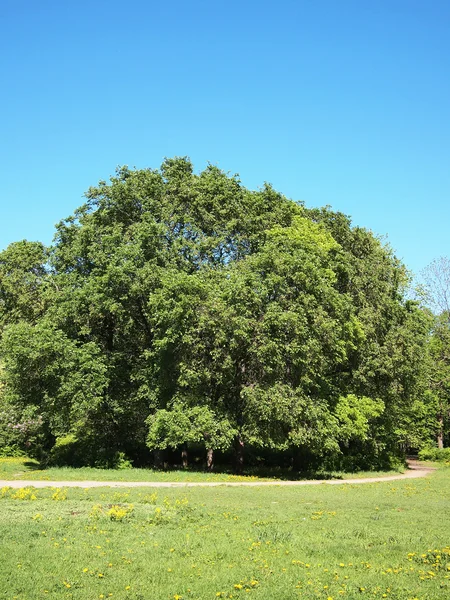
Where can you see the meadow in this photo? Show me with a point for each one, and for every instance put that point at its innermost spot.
(376, 540)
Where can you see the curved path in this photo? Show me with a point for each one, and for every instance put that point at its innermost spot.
(415, 470)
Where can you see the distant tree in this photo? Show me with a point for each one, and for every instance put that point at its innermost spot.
(439, 373)
(436, 277)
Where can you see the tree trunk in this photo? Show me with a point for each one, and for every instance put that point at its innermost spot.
(297, 461)
(158, 457)
(239, 450)
(209, 459)
(440, 435)
(184, 456)
(303, 460)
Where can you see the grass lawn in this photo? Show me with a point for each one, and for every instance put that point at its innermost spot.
(378, 540)
(23, 468)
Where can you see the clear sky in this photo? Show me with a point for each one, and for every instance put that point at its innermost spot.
(343, 102)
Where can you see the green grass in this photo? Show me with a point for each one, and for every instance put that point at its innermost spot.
(378, 540)
(23, 468)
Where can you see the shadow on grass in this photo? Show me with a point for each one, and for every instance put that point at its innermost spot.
(276, 473)
(257, 472)
(32, 465)
(288, 474)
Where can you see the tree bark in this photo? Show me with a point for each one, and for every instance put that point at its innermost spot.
(239, 453)
(297, 460)
(158, 459)
(440, 435)
(184, 456)
(209, 459)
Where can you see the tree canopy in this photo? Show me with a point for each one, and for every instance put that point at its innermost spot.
(177, 310)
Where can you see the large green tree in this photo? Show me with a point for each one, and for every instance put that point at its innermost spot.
(177, 308)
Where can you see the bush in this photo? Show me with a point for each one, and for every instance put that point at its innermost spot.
(20, 431)
(74, 452)
(11, 451)
(435, 454)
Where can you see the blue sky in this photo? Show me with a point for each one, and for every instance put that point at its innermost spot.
(343, 103)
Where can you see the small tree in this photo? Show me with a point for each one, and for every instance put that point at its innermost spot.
(436, 277)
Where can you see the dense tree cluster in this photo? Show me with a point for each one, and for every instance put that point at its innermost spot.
(178, 311)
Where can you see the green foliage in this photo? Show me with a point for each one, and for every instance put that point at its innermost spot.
(355, 415)
(20, 431)
(439, 374)
(79, 452)
(23, 282)
(435, 454)
(55, 376)
(177, 309)
(184, 423)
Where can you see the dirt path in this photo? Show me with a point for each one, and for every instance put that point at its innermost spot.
(415, 470)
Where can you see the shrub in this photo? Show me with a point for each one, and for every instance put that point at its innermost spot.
(435, 454)
(20, 432)
(72, 451)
